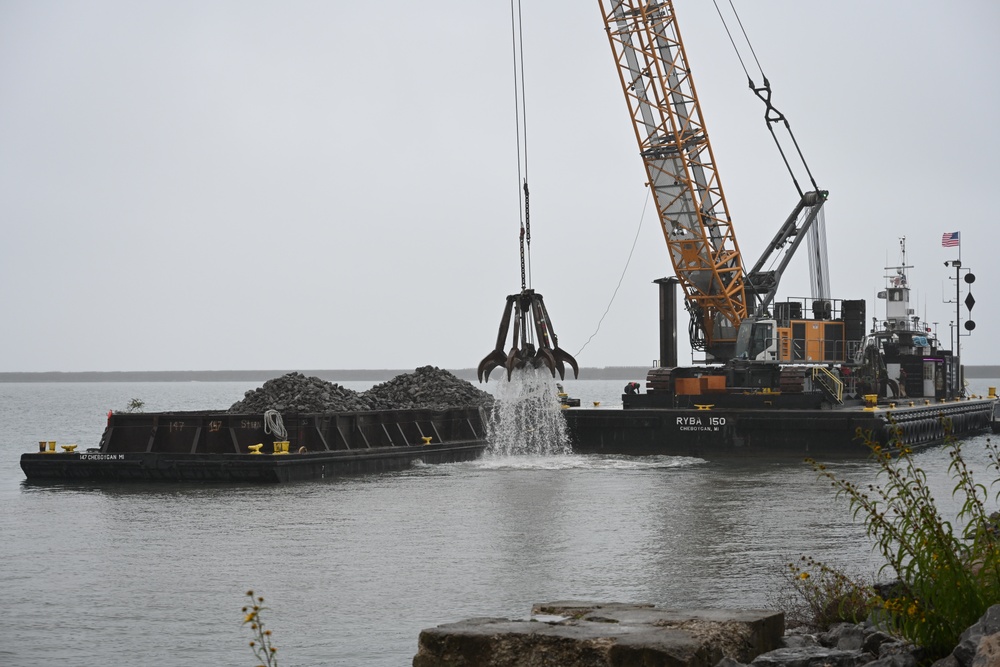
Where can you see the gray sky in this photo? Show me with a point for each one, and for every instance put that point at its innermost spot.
(241, 184)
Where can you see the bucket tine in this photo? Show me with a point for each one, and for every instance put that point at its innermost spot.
(561, 356)
(497, 356)
(544, 355)
(565, 357)
(486, 366)
(513, 357)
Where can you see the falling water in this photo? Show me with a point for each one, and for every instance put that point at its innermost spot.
(527, 417)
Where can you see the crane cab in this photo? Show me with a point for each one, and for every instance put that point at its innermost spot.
(833, 334)
(756, 340)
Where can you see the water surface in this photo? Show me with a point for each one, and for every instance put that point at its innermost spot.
(354, 568)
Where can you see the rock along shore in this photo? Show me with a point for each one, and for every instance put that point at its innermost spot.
(594, 634)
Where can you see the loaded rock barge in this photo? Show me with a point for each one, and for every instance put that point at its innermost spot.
(292, 429)
(220, 447)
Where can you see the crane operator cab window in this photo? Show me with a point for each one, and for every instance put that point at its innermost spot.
(755, 339)
(762, 340)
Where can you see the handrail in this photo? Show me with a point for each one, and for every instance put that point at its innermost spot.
(833, 385)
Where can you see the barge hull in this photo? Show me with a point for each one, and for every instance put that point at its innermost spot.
(260, 468)
(762, 433)
(212, 446)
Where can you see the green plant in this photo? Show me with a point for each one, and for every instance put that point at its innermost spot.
(823, 595)
(263, 649)
(135, 405)
(947, 578)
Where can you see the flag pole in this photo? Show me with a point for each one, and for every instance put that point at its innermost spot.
(958, 319)
(957, 264)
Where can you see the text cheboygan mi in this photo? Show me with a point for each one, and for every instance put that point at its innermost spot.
(698, 424)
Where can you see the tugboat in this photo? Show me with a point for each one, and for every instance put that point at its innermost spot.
(901, 357)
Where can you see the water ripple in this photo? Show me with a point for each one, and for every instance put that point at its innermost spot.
(584, 462)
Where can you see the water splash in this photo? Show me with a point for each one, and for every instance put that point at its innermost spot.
(527, 417)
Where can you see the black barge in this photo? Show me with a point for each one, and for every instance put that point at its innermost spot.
(209, 446)
(802, 385)
(763, 426)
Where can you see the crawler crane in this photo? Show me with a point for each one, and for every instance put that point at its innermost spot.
(734, 316)
(799, 377)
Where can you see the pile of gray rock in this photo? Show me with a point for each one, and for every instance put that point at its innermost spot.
(842, 645)
(427, 388)
(864, 645)
(295, 392)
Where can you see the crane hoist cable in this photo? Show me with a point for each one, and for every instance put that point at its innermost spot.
(628, 261)
(534, 341)
(809, 222)
(771, 113)
(521, 132)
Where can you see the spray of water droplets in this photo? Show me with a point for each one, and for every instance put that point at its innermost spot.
(527, 417)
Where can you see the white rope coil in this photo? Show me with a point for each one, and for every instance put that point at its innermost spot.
(274, 425)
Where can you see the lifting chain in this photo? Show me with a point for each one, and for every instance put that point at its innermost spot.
(525, 236)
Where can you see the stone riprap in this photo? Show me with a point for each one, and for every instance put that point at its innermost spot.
(427, 387)
(625, 635)
(603, 635)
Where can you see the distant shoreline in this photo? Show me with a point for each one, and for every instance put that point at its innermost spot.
(333, 375)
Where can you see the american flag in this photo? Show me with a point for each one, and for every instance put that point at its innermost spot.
(950, 239)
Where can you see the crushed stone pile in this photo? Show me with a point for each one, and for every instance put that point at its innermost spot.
(428, 387)
(425, 388)
(294, 392)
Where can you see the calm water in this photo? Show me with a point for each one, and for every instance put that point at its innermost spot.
(353, 569)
